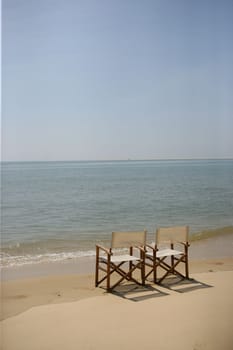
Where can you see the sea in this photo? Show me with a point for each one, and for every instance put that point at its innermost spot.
(55, 211)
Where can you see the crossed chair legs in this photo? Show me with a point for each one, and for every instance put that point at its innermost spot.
(110, 264)
(157, 259)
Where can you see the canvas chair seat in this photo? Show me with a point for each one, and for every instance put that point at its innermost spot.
(168, 258)
(124, 264)
(120, 258)
(165, 252)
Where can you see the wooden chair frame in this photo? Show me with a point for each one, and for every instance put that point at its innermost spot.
(156, 257)
(110, 262)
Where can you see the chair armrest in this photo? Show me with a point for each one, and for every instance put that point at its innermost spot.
(187, 244)
(151, 247)
(142, 249)
(106, 250)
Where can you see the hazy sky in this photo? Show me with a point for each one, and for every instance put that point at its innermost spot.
(117, 79)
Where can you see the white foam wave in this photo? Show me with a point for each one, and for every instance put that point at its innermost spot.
(20, 260)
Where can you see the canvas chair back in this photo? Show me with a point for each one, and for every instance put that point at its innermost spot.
(128, 239)
(172, 235)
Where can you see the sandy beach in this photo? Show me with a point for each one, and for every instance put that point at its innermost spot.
(65, 311)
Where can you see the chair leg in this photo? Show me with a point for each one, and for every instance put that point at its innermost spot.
(143, 268)
(97, 267)
(108, 273)
(186, 262)
(155, 267)
(172, 259)
(130, 262)
(186, 270)
(143, 275)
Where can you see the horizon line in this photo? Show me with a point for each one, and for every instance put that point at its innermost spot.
(116, 160)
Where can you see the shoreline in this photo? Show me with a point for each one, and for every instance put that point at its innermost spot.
(57, 251)
(30, 286)
(219, 245)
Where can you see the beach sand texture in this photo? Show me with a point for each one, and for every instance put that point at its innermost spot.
(67, 312)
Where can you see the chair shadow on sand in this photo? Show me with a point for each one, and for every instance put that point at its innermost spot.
(136, 293)
(183, 285)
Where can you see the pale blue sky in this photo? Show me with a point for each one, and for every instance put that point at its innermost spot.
(117, 79)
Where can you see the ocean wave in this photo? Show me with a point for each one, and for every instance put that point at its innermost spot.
(8, 260)
(27, 254)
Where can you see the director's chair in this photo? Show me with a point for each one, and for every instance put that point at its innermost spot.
(111, 260)
(169, 250)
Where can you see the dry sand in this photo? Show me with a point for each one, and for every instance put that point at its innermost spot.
(66, 311)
